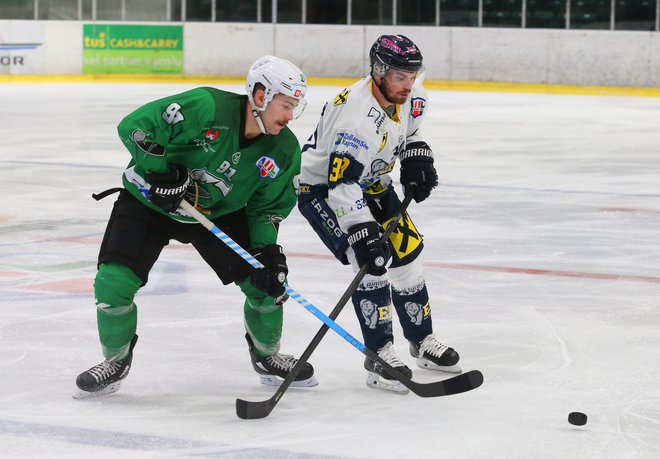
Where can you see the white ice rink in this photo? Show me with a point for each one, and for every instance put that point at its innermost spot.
(542, 260)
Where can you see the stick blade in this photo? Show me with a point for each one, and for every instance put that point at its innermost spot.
(458, 384)
(253, 410)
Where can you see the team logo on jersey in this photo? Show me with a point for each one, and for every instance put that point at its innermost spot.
(267, 167)
(417, 105)
(380, 167)
(342, 98)
(211, 134)
(236, 157)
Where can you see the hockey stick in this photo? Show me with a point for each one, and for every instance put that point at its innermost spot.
(256, 410)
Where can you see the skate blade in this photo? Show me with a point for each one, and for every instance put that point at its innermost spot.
(272, 380)
(83, 394)
(375, 381)
(428, 365)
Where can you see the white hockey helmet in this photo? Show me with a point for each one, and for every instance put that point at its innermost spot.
(278, 76)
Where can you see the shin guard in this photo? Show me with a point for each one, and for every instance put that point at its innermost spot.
(115, 287)
(412, 307)
(373, 307)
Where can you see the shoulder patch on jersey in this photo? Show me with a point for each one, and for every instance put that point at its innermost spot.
(268, 168)
(417, 106)
(342, 97)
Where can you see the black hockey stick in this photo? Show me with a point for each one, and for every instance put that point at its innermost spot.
(461, 383)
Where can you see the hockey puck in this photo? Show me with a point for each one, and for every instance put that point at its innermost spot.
(577, 419)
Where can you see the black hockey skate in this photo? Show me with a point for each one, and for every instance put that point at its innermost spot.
(433, 355)
(106, 377)
(377, 378)
(274, 368)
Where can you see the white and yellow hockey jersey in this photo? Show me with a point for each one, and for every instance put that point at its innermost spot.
(356, 144)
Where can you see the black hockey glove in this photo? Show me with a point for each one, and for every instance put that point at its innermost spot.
(369, 250)
(417, 169)
(271, 278)
(168, 188)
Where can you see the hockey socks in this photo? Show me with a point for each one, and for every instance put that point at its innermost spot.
(412, 307)
(373, 307)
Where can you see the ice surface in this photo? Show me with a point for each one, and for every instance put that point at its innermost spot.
(542, 259)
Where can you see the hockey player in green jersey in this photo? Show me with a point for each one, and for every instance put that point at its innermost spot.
(234, 158)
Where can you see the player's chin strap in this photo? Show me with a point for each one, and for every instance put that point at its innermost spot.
(260, 123)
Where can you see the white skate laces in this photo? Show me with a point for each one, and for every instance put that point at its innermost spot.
(431, 354)
(104, 370)
(432, 346)
(377, 377)
(282, 361)
(388, 355)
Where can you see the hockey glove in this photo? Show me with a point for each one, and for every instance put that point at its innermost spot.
(271, 278)
(168, 188)
(417, 169)
(364, 238)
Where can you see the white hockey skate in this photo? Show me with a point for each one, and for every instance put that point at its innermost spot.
(377, 378)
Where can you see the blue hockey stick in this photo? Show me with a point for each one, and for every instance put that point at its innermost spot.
(247, 256)
(257, 410)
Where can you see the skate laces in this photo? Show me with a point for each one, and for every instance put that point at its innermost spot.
(104, 370)
(281, 361)
(388, 355)
(432, 346)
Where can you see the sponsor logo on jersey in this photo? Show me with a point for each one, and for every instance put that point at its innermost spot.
(204, 145)
(267, 167)
(349, 140)
(378, 117)
(342, 97)
(328, 223)
(405, 239)
(211, 134)
(417, 105)
(236, 157)
(382, 144)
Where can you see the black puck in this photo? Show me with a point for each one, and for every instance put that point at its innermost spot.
(577, 419)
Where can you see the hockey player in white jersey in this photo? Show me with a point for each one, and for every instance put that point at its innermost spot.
(347, 196)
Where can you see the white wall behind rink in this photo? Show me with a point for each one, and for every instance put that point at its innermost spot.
(571, 57)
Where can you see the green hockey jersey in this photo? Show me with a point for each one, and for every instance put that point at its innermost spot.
(204, 130)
